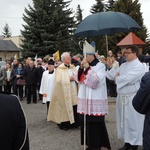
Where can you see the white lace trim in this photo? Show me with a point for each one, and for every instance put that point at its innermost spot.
(95, 107)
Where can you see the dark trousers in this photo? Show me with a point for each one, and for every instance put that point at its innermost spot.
(31, 91)
(76, 118)
(131, 147)
(96, 134)
(20, 91)
(40, 95)
(112, 88)
(47, 106)
(15, 86)
(25, 91)
(7, 87)
(0, 88)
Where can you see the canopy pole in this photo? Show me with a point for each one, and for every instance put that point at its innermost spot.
(85, 120)
(84, 54)
(106, 45)
(84, 51)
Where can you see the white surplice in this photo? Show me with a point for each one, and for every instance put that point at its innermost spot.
(93, 90)
(47, 84)
(129, 122)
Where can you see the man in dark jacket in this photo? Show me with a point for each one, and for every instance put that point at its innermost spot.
(40, 71)
(15, 67)
(31, 76)
(141, 103)
(2, 76)
(13, 129)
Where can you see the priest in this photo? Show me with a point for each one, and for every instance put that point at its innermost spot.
(63, 106)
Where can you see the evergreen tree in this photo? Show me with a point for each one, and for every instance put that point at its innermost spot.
(111, 4)
(64, 26)
(98, 7)
(29, 33)
(79, 15)
(131, 8)
(6, 31)
(78, 19)
(48, 28)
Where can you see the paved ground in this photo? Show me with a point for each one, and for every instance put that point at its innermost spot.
(47, 136)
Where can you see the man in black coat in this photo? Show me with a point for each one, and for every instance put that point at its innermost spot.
(40, 71)
(141, 103)
(13, 129)
(31, 77)
(15, 67)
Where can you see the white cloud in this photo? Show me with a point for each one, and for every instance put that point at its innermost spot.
(12, 11)
(145, 4)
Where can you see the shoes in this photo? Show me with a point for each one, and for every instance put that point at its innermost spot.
(124, 148)
(28, 102)
(133, 147)
(62, 127)
(113, 95)
(127, 146)
(73, 126)
(58, 125)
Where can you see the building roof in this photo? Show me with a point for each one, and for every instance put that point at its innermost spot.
(17, 40)
(8, 45)
(131, 39)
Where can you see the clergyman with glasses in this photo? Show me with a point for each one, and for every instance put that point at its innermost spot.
(127, 78)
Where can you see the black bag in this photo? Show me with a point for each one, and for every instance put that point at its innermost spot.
(21, 82)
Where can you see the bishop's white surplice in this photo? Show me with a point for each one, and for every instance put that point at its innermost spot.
(96, 93)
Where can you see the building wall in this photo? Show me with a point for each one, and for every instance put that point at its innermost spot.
(4, 56)
(17, 40)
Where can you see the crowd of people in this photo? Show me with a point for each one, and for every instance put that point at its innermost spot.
(76, 91)
(15, 70)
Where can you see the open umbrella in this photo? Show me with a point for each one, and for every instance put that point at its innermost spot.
(103, 23)
(106, 23)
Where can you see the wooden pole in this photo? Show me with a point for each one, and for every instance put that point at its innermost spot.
(84, 53)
